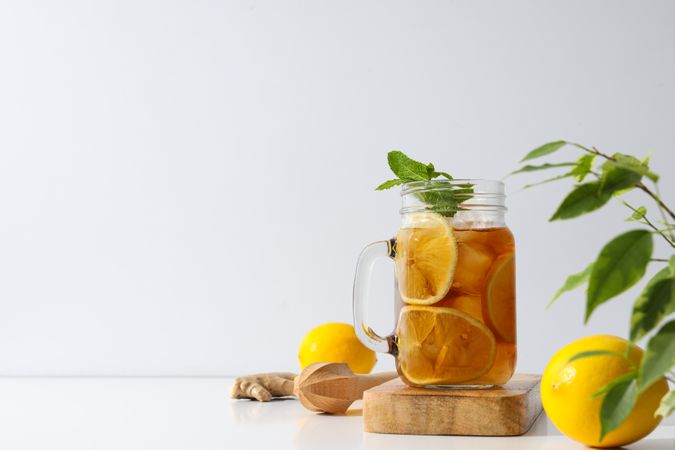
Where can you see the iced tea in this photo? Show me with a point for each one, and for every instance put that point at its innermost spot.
(437, 343)
(455, 299)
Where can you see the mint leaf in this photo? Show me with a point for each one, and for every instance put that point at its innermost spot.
(617, 405)
(572, 282)
(545, 149)
(442, 197)
(583, 199)
(656, 301)
(659, 357)
(667, 405)
(442, 174)
(620, 264)
(389, 184)
(430, 171)
(407, 169)
(445, 199)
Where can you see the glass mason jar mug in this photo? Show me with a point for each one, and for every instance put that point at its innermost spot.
(455, 286)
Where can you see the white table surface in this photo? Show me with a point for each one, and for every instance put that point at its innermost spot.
(197, 413)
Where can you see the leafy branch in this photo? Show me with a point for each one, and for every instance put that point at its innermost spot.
(639, 185)
(621, 263)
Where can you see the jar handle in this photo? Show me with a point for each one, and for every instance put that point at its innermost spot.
(364, 269)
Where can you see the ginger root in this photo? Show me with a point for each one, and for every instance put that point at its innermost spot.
(263, 386)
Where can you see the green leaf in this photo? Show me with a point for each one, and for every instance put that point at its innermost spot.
(389, 184)
(621, 192)
(590, 353)
(615, 179)
(572, 282)
(441, 174)
(617, 405)
(530, 168)
(583, 167)
(647, 158)
(667, 405)
(656, 301)
(638, 214)
(633, 164)
(544, 150)
(583, 199)
(608, 387)
(440, 196)
(430, 171)
(671, 264)
(659, 357)
(621, 264)
(445, 199)
(559, 177)
(406, 168)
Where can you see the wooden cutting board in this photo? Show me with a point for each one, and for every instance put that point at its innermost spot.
(508, 410)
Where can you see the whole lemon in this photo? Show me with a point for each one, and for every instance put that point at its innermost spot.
(566, 390)
(336, 342)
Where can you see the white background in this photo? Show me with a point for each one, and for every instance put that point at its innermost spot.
(185, 185)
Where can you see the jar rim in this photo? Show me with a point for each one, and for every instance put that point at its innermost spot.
(481, 194)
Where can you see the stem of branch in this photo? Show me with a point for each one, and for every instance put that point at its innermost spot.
(595, 151)
(651, 225)
(663, 214)
(656, 198)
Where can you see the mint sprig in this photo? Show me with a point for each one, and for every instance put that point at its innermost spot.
(442, 197)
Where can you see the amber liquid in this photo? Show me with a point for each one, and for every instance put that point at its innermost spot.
(474, 291)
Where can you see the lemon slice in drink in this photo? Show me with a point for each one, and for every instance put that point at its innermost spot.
(426, 257)
(440, 345)
(499, 298)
